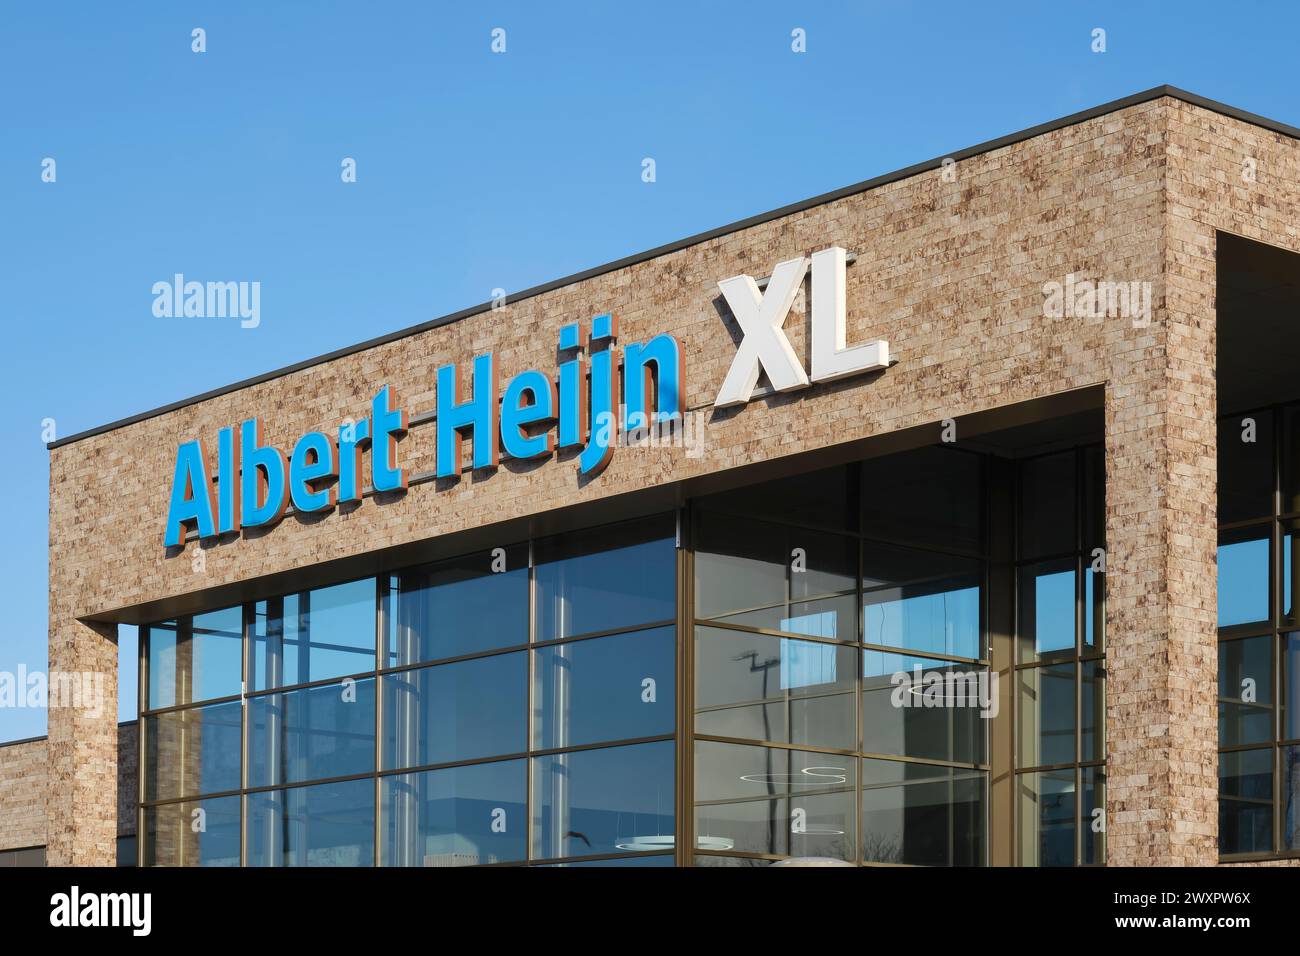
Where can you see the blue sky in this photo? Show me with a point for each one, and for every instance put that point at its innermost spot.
(475, 170)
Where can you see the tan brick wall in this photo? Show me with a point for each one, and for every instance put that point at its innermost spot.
(22, 794)
(951, 273)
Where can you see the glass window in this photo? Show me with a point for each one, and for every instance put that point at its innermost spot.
(1047, 828)
(770, 800)
(330, 824)
(1094, 815)
(1289, 696)
(195, 833)
(1047, 505)
(196, 658)
(462, 816)
(314, 635)
(1290, 570)
(609, 578)
(1245, 691)
(191, 752)
(922, 815)
(453, 712)
(1246, 466)
(762, 687)
(126, 849)
(743, 565)
(921, 601)
(1290, 460)
(604, 688)
(1246, 801)
(470, 604)
(1047, 719)
(312, 734)
(1290, 777)
(1093, 499)
(1094, 610)
(1047, 601)
(930, 496)
(1243, 576)
(614, 799)
(920, 707)
(648, 859)
(1092, 710)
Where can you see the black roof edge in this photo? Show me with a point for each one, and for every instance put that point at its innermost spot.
(1011, 139)
(32, 740)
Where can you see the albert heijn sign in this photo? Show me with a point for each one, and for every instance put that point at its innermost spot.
(536, 416)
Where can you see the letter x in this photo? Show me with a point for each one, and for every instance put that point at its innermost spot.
(761, 317)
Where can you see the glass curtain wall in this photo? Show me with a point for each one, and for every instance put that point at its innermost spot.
(1060, 691)
(840, 660)
(513, 706)
(1259, 633)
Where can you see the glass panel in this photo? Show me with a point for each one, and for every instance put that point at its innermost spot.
(607, 578)
(312, 734)
(314, 635)
(1289, 697)
(921, 601)
(330, 824)
(1246, 466)
(202, 661)
(1046, 626)
(190, 752)
(1094, 610)
(1290, 570)
(196, 833)
(454, 712)
(1243, 576)
(1245, 691)
(1047, 488)
(657, 859)
(1290, 460)
(474, 603)
(1046, 715)
(918, 707)
(922, 815)
(1094, 815)
(742, 564)
(819, 499)
(126, 850)
(603, 801)
(712, 860)
(1047, 802)
(1290, 775)
(760, 687)
(462, 816)
(1094, 499)
(767, 800)
(831, 618)
(605, 688)
(1246, 801)
(1092, 710)
(930, 496)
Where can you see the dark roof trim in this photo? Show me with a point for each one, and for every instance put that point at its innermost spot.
(1072, 120)
(32, 740)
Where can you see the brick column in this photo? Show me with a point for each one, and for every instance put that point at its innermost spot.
(81, 800)
(1161, 615)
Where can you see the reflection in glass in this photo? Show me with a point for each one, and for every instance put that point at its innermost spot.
(918, 601)
(922, 815)
(312, 734)
(742, 565)
(607, 578)
(1094, 815)
(1094, 610)
(930, 496)
(920, 707)
(457, 607)
(1290, 777)
(762, 687)
(648, 859)
(1047, 502)
(195, 659)
(462, 816)
(453, 712)
(1092, 710)
(331, 824)
(1246, 801)
(604, 801)
(194, 833)
(191, 752)
(1243, 576)
(1047, 717)
(1245, 445)
(1245, 691)
(1047, 804)
(604, 688)
(820, 499)
(314, 635)
(770, 800)
(831, 618)
(1289, 696)
(1046, 610)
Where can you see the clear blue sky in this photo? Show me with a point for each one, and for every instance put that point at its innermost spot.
(475, 170)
